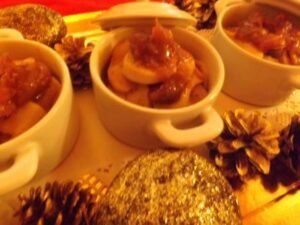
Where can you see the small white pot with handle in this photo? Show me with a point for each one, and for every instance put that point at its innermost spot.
(148, 127)
(249, 78)
(43, 146)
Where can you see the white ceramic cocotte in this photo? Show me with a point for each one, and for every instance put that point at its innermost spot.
(42, 147)
(247, 77)
(147, 127)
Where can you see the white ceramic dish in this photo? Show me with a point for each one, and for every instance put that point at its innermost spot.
(249, 78)
(152, 128)
(42, 147)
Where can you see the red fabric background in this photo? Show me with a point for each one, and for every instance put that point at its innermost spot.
(67, 7)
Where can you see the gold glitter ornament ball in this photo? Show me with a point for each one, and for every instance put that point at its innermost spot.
(35, 22)
(171, 188)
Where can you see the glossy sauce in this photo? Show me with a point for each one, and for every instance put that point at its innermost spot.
(27, 91)
(277, 37)
(173, 71)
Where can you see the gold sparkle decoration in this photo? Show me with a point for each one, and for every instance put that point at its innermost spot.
(169, 188)
(66, 203)
(246, 146)
(36, 22)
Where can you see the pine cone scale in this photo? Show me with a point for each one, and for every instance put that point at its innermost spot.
(242, 165)
(260, 161)
(59, 219)
(233, 125)
(226, 147)
(49, 208)
(40, 222)
(238, 143)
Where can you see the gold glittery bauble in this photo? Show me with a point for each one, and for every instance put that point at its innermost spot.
(70, 203)
(246, 146)
(77, 55)
(171, 188)
(35, 22)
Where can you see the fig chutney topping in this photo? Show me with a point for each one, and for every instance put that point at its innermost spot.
(20, 81)
(169, 91)
(277, 37)
(27, 91)
(157, 51)
(153, 70)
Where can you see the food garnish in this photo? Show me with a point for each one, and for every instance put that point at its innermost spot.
(62, 203)
(246, 146)
(77, 55)
(250, 146)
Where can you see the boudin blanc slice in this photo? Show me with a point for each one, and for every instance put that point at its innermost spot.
(171, 188)
(35, 22)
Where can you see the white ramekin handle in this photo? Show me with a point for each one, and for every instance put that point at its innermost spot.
(10, 33)
(294, 80)
(22, 170)
(211, 127)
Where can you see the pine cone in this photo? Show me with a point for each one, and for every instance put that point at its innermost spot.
(59, 204)
(77, 56)
(246, 146)
(289, 142)
(202, 10)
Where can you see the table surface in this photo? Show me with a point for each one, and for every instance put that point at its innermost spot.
(96, 152)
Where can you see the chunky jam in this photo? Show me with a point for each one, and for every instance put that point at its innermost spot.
(27, 91)
(153, 70)
(277, 37)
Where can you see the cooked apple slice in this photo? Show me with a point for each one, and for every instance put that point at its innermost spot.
(117, 80)
(24, 118)
(47, 99)
(120, 51)
(115, 74)
(137, 73)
